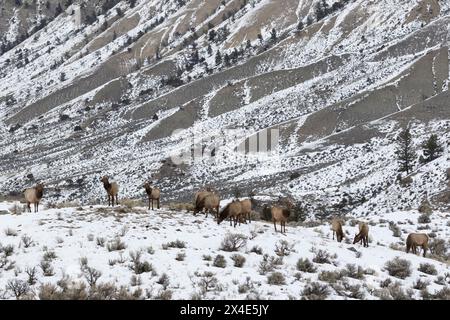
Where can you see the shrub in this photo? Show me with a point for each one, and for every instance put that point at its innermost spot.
(399, 268)
(10, 232)
(180, 256)
(141, 267)
(27, 241)
(438, 247)
(115, 245)
(352, 271)
(396, 232)
(100, 241)
(315, 291)
(238, 260)
(420, 285)
(207, 281)
(322, 256)
(219, 261)
(305, 265)
(427, 268)
(135, 281)
(283, 248)
(32, 275)
(7, 250)
(47, 268)
(92, 275)
(233, 242)
(175, 244)
(49, 256)
(164, 280)
(257, 249)
(206, 257)
(276, 278)
(268, 264)
(164, 295)
(424, 218)
(18, 287)
(330, 276)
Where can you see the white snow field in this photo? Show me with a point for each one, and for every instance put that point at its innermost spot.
(71, 243)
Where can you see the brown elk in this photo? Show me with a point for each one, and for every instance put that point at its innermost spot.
(207, 200)
(363, 235)
(246, 209)
(153, 195)
(415, 240)
(112, 189)
(232, 211)
(336, 226)
(281, 214)
(34, 195)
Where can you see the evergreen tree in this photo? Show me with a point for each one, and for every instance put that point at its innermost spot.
(209, 50)
(227, 60)
(218, 58)
(260, 37)
(273, 35)
(431, 149)
(300, 26)
(405, 152)
(58, 10)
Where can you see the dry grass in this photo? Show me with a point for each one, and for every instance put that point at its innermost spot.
(181, 206)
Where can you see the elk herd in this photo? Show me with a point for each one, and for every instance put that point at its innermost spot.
(237, 211)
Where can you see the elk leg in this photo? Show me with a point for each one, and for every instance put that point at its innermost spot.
(275, 225)
(158, 203)
(333, 234)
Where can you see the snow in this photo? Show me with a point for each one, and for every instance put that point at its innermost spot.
(71, 234)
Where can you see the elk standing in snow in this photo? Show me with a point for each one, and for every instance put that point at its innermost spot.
(34, 195)
(112, 189)
(153, 194)
(233, 211)
(363, 235)
(281, 214)
(415, 240)
(336, 226)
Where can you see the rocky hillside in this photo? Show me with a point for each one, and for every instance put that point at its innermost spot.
(122, 88)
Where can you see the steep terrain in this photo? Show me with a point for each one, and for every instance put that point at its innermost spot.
(101, 87)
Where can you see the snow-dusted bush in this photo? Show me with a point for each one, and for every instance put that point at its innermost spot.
(257, 249)
(276, 278)
(352, 271)
(116, 245)
(330, 276)
(219, 261)
(233, 242)
(424, 218)
(322, 257)
(283, 248)
(305, 265)
(399, 268)
(174, 244)
(427, 268)
(315, 291)
(268, 264)
(238, 260)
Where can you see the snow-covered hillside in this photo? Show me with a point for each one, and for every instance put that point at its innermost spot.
(167, 254)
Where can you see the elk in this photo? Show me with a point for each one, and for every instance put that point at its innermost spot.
(415, 240)
(112, 189)
(246, 209)
(232, 211)
(34, 195)
(153, 194)
(281, 214)
(336, 226)
(363, 235)
(208, 200)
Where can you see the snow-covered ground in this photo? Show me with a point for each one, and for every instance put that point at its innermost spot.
(75, 233)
